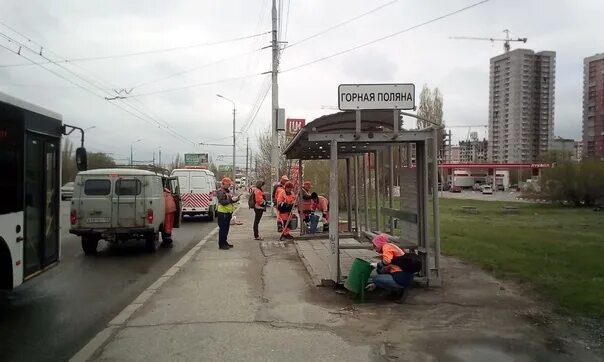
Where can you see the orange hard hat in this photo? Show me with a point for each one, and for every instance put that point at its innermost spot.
(284, 179)
(227, 180)
(307, 184)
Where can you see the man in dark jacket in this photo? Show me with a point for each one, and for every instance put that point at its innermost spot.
(225, 212)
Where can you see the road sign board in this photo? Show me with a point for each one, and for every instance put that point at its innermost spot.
(196, 159)
(376, 96)
(225, 168)
(294, 125)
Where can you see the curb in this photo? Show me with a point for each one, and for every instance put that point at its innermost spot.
(86, 352)
(318, 282)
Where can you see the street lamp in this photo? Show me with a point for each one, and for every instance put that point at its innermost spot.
(138, 140)
(227, 99)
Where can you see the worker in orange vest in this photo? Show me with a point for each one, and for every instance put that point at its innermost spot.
(306, 202)
(285, 204)
(277, 191)
(390, 277)
(170, 214)
(321, 205)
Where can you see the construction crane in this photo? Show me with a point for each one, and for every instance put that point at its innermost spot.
(506, 41)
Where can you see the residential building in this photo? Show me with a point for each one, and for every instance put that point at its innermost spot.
(593, 106)
(455, 154)
(565, 146)
(579, 150)
(521, 105)
(473, 150)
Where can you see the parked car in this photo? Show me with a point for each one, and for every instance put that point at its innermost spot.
(67, 191)
(487, 190)
(477, 186)
(500, 187)
(119, 205)
(455, 188)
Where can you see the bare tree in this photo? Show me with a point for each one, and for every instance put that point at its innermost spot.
(263, 156)
(68, 165)
(430, 107)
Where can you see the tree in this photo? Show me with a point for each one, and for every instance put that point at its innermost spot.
(263, 156)
(579, 183)
(100, 160)
(430, 107)
(68, 164)
(176, 162)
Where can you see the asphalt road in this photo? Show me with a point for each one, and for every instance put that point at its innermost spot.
(52, 316)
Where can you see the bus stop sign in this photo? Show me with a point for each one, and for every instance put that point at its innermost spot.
(355, 97)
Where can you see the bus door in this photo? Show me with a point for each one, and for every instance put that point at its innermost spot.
(41, 246)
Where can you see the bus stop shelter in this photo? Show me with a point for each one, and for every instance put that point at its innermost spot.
(386, 162)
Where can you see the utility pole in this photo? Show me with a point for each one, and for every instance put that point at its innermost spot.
(275, 105)
(247, 155)
(160, 157)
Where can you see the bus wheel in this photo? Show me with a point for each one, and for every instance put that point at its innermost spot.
(89, 244)
(152, 242)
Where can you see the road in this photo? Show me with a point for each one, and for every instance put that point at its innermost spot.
(52, 316)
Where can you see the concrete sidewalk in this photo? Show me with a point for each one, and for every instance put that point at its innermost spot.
(256, 302)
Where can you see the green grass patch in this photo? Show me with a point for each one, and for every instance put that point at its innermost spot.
(560, 250)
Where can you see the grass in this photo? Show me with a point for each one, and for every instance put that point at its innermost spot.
(559, 250)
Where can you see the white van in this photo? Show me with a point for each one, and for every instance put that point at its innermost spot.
(198, 191)
(118, 205)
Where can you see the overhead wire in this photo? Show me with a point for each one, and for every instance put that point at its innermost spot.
(145, 116)
(340, 24)
(132, 54)
(386, 36)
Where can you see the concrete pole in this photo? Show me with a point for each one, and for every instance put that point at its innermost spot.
(234, 170)
(275, 104)
(247, 160)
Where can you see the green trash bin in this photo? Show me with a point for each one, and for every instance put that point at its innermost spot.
(358, 276)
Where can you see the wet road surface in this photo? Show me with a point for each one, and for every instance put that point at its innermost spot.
(52, 316)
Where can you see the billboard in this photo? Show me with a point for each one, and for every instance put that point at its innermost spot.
(196, 159)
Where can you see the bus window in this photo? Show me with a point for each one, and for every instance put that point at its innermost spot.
(11, 163)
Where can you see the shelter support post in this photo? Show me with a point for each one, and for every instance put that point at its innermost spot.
(357, 220)
(300, 183)
(334, 242)
(435, 279)
(391, 186)
(348, 195)
(378, 217)
(366, 184)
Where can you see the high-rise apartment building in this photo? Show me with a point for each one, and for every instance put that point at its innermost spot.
(593, 106)
(521, 106)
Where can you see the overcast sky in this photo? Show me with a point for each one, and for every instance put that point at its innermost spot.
(74, 29)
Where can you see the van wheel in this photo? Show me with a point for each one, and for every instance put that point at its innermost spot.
(211, 214)
(89, 244)
(152, 242)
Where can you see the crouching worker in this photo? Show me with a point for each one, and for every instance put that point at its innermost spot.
(170, 214)
(321, 206)
(391, 273)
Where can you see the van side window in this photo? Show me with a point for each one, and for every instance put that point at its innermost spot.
(97, 187)
(128, 187)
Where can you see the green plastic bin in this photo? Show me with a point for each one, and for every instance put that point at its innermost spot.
(358, 276)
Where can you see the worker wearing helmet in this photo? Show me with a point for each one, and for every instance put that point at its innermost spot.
(278, 189)
(306, 202)
(285, 205)
(225, 211)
